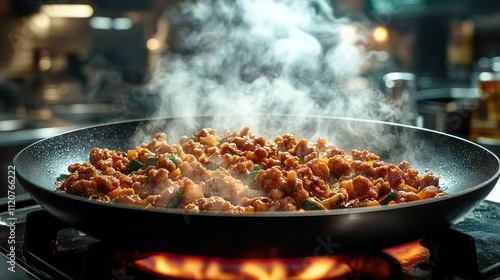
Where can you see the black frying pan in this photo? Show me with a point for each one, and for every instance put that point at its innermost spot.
(468, 173)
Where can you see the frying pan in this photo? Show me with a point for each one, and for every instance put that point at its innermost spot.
(467, 173)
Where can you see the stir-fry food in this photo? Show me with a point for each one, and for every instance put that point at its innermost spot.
(239, 172)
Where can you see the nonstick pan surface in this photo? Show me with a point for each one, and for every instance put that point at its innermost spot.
(467, 173)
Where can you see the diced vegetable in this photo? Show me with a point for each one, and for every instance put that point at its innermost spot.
(176, 200)
(211, 166)
(152, 161)
(252, 175)
(135, 165)
(175, 161)
(131, 154)
(291, 176)
(309, 205)
(385, 199)
(114, 193)
(223, 140)
(174, 174)
(257, 167)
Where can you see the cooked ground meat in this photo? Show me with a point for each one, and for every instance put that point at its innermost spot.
(238, 172)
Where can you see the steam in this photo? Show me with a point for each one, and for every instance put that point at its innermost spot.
(236, 59)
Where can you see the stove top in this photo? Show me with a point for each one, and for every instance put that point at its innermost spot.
(35, 245)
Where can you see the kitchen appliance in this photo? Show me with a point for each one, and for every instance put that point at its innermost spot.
(448, 110)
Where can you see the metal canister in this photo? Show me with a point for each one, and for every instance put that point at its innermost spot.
(401, 88)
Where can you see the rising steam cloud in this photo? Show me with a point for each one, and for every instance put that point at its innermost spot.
(259, 56)
(246, 57)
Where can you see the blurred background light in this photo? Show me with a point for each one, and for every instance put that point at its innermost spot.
(380, 34)
(348, 33)
(153, 44)
(67, 10)
(103, 23)
(122, 23)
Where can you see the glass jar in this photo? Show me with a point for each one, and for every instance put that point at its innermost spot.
(485, 120)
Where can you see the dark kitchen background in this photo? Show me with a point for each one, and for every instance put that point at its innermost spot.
(62, 68)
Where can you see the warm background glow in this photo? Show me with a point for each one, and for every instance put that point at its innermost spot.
(67, 11)
(380, 34)
(348, 33)
(152, 44)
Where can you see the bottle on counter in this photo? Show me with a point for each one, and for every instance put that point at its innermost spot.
(485, 120)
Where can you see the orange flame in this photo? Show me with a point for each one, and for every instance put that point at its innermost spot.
(170, 265)
(409, 256)
(197, 267)
(409, 253)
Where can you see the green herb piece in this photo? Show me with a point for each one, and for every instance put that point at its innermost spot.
(152, 161)
(384, 200)
(257, 167)
(252, 175)
(135, 165)
(175, 161)
(309, 205)
(223, 140)
(211, 166)
(176, 200)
